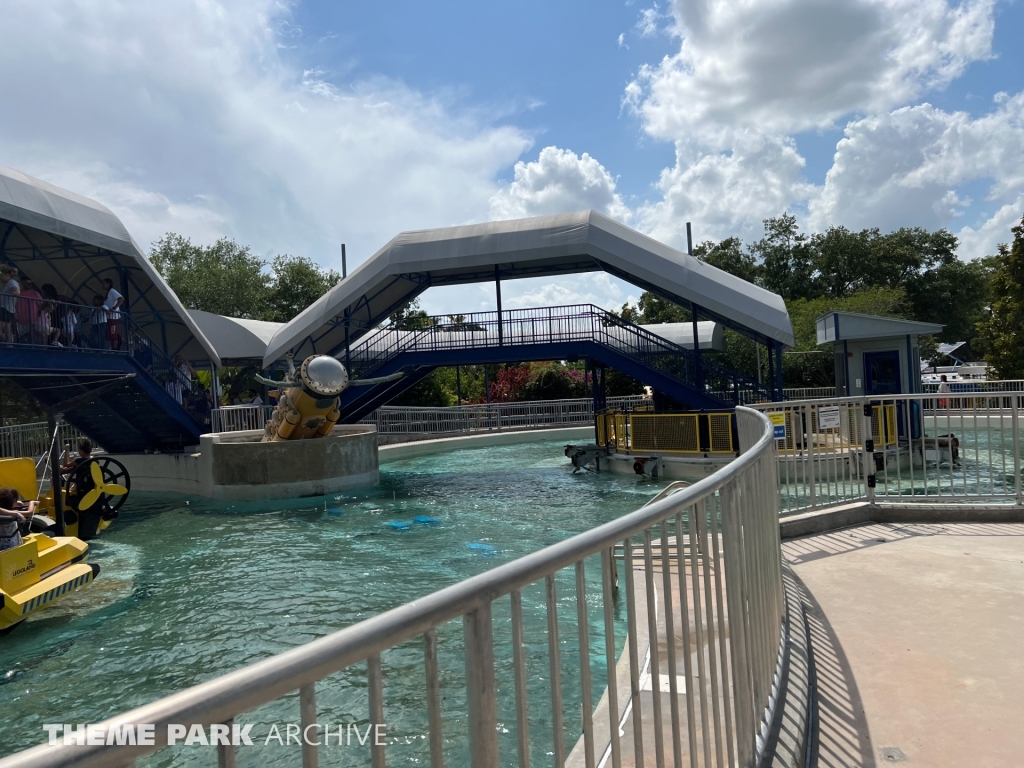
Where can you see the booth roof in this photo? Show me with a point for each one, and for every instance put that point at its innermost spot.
(850, 326)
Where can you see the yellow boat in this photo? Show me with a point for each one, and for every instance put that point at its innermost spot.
(39, 572)
(47, 566)
(85, 514)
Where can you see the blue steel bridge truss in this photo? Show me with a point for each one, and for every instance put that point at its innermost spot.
(577, 332)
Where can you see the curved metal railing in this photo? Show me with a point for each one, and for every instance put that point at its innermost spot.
(702, 566)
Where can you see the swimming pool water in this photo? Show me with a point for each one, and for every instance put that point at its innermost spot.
(191, 589)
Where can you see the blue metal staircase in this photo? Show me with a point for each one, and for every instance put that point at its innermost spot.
(556, 333)
(154, 408)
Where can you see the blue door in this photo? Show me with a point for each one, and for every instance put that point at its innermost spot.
(881, 373)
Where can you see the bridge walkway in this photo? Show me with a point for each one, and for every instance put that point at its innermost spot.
(575, 332)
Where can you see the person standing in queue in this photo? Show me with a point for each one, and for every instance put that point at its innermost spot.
(112, 303)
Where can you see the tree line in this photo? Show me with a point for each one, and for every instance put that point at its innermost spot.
(911, 273)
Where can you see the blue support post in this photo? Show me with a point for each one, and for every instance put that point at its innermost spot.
(778, 370)
(497, 288)
(698, 367)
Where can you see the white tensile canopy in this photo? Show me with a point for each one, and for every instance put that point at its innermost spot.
(545, 246)
(55, 236)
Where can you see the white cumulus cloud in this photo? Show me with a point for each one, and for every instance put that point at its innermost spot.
(193, 117)
(559, 181)
(904, 167)
(789, 65)
(725, 193)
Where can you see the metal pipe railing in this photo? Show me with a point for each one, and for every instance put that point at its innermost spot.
(722, 530)
(941, 447)
(59, 325)
(548, 325)
(33, 440)
(452, 419)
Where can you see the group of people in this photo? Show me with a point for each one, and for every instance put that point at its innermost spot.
(44, 317)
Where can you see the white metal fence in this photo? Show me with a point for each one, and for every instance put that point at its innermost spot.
(238, 418)
(702, 567)
(456, 418)
(912, 448)
(33, 440)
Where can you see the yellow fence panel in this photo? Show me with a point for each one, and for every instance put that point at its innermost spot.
(675, 432)
(721, 432)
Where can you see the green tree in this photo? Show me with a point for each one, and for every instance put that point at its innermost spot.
(839, 258)
(786, 259)
(227, 279)
(807, 364)
(296, 282)
(730, 257)
(224, 278)
(1003, 331)
(409, 318)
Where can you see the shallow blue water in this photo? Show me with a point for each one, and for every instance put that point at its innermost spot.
(193, 589)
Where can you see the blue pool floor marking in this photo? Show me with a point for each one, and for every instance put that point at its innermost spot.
(399, 525)
(485, 549)
(426, 520)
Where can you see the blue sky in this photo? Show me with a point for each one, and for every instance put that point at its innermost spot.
(556, 70)
(295, 126)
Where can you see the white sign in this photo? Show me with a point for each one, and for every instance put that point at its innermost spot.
(828, 417)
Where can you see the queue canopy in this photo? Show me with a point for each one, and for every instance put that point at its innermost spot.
(537, 247)
(238, 341)
(58, 237)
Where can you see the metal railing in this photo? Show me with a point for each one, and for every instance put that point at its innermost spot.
(970, 385)
(58, 325)
(702, 566)
(549, 325)
(237, 418)
(914, 448)
(473, 417)
(33, 440)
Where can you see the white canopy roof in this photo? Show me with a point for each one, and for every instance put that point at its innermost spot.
(55, 236)
(236, 339)
(848, 326)
(549, 245)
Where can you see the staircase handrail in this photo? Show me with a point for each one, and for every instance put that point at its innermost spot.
(570, 322)
(43, 322)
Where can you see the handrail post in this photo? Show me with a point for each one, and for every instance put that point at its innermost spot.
(481, 694)
(868, 463)
(1015, 421)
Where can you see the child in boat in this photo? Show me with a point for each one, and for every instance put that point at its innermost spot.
(12, 514)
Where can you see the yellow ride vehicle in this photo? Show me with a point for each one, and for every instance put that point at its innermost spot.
(93, 493)
(39, 572)
(50, 562)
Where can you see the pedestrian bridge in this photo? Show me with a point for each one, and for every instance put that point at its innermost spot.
(577, 332)
(346, 321)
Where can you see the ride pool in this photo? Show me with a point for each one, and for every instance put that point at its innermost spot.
(192, 589)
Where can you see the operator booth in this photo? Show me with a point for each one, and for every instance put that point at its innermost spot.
(877, 357)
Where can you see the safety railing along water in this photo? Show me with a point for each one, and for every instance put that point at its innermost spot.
(471, 417)
(920, 448)
(701, 566)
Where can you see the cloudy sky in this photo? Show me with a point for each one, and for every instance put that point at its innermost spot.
(295, 126)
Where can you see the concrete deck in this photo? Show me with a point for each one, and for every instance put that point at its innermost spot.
(916, 633)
